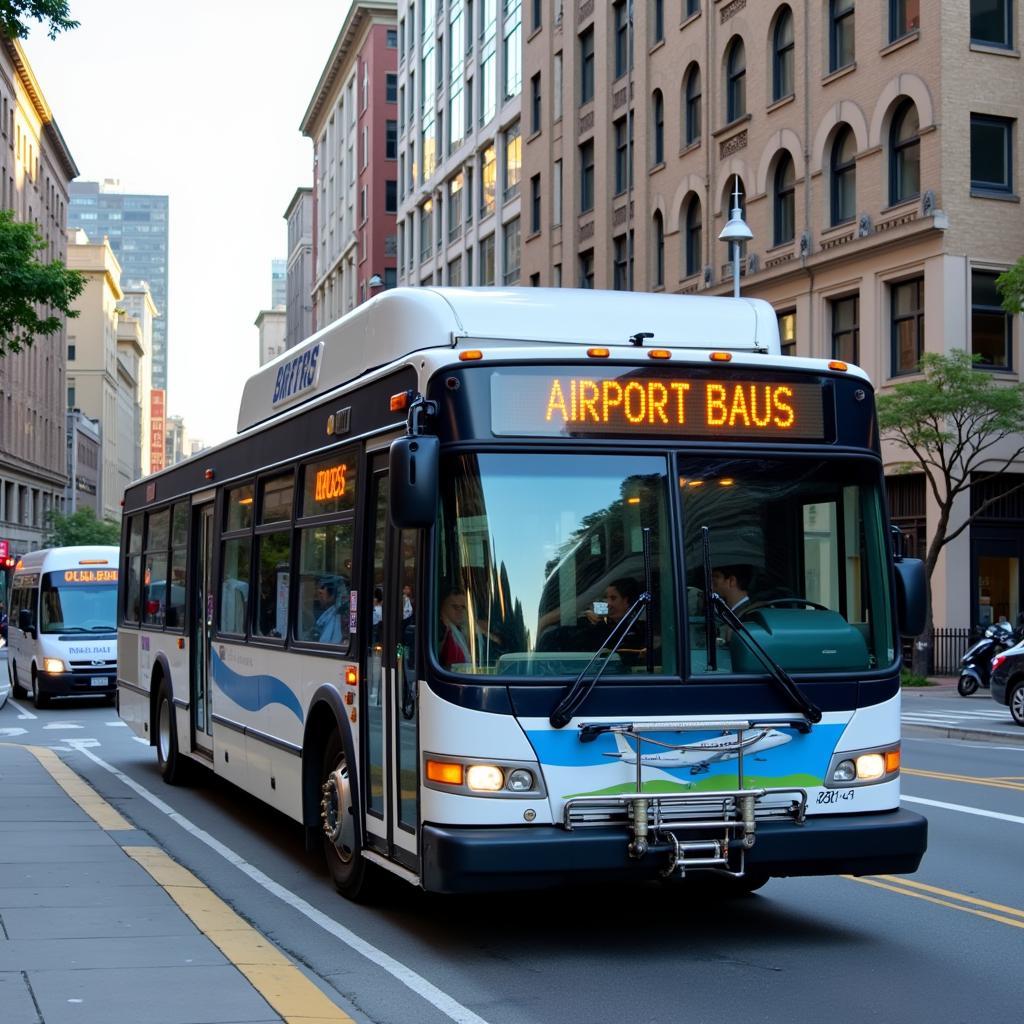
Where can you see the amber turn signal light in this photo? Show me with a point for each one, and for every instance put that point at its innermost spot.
(444, 771)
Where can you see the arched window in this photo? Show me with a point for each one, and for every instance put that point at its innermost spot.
(657, 128)
(785, 200)
(783, 55)
(692, 237)
(659, 250)
(691, 105)
(735, 81)
(844, 176)
(904, 154)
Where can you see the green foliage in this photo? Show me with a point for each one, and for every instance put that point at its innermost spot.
(14, 15)
(1011, 288)
(81, 527)
(26, 283)
(907, 678)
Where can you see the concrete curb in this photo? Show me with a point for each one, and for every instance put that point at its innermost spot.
(956, 732)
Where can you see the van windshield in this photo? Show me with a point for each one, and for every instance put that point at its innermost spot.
(540, 555)
(69, 605)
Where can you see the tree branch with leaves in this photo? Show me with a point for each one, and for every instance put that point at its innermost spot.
(14, 15)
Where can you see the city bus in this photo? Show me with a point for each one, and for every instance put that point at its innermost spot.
(454, 598)
(62, 624)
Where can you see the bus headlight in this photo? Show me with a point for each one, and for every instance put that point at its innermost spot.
(53, 666)
(485, 778)
(520, 781)
(863, 767)
(870, 766)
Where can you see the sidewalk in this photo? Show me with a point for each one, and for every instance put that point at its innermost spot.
(99, 926)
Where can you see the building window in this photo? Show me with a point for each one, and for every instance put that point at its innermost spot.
(455, 207)
(587, 176)
(783, 55)
(904, 18)
(71, 392)
(390, 140)
(620, 264)
(657, 20)
(391, 196)
(556, 90)
(587, 269)
(535, 105)
(587, 65)
(735, 81)
(392, 39)
(844, 176)
(991, 154)
(991, 325)
(556, 194)
(71, 352)
(536, 14)
(659, 250)
(513, 53)
(691, 130)
(692, 241)
(623, 177)
(455, 272)
(840, 34)
(906, 300)
(623, 42)
(391, 88)
(390, 277)
(535, 204)
(535, 280)
(487, 260)
(513, 161)
(845, 328)
(992, 23)
(512, 251)
(787, 332)
(426, 227)
(657, 128)
(488, 180)
(785, 200)
(904, 154)
(692, 7)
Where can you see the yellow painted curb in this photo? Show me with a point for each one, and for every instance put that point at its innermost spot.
(84, 795)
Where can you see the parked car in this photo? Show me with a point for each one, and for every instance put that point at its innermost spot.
(1007, 682)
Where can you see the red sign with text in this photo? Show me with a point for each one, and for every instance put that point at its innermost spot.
(157, 430)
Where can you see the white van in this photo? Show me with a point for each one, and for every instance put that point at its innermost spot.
(62, 624)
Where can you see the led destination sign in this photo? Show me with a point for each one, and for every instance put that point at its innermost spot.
(90, 576)
(594, 404)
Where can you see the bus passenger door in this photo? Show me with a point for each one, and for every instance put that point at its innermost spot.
(202, 627)
(391, 778)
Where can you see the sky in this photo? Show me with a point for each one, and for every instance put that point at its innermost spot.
(199, 101)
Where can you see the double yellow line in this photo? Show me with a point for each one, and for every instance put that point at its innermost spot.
(945, 898)
(1006, 782)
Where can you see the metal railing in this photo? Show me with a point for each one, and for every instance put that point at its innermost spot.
(947, 648)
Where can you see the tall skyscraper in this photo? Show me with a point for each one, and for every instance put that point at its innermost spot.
(278, 283)
(136, 228)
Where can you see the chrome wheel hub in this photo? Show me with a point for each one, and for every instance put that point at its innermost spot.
(164, 730)
(336, 812)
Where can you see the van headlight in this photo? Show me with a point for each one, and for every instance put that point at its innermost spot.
(53, 666)
(863, 767)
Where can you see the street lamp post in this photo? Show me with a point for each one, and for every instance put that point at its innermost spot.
(735, 233)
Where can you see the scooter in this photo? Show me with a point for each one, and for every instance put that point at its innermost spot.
(976, 664)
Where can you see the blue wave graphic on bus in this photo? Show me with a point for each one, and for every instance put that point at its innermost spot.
(783, 752)
(254, 692)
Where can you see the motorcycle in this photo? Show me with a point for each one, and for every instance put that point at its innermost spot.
(976, 664)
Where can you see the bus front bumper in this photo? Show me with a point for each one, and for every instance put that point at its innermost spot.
(527, 857)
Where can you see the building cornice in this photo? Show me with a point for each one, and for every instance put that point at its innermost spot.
(302, 190)
(361, 14)
(31, 86)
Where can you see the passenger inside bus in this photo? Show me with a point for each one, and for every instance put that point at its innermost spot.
(327, 629)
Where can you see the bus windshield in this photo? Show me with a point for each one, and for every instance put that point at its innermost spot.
(798, 551)
(538, 557)
(67, 604)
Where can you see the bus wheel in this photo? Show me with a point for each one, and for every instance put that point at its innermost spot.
(38, 697)
(353, 877)
(173, 767)
(18, 692)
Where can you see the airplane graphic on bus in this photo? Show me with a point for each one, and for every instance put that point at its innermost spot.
(700, 755)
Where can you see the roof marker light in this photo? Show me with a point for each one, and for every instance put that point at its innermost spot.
(471, 354)
(721, 357)
(838, 364)
(659, 353)
(208, 474)
(399, 401)
(598, 353)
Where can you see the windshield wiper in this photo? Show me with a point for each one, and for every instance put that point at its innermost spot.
(578, 691)
(103, 629)
(715, 604)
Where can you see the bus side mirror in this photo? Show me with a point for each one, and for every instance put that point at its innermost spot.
(911, 595)
(414, 472)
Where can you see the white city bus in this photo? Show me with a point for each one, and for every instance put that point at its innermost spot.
(396, 597)
(61, 628)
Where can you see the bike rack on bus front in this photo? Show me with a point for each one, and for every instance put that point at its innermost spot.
(652, 818)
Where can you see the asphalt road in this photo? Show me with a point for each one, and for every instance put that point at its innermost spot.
(945, 945)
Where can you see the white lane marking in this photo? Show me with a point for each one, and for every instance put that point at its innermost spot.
(76, 742)
(1016, 819)
(13, 731)
(62, 725)
(961, 744)
(1002, 716)
(139, 739)
(117, 725)
(408, 977)
(22, 712)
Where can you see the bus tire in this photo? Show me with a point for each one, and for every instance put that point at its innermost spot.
(353, 877)
(39, 699)
(173, 767)
(18, 692)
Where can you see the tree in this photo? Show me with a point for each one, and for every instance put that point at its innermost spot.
(1011, 288)
(81, 527)
(961, 427)
(26, 283)
(13, 15)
